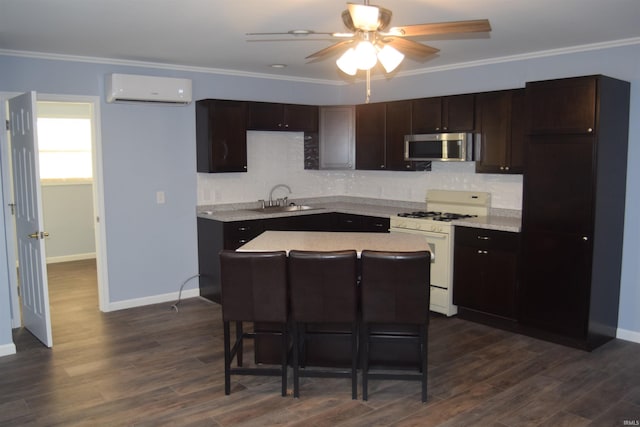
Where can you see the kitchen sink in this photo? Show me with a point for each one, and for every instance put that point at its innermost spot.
(277, 209)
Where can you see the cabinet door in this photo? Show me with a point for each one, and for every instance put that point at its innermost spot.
(398, 117)
(562, 106)
(374, 224)
(426, 115)
(210, 243)
(313, 222)
(370, 136)
(493, 111)
(337, 137)
(300, 118)
(237, 233)
(515, 152)
(458, 113)
(265, 116)
(486, 271)
(558, 184)
(554, 294)
(221, 136)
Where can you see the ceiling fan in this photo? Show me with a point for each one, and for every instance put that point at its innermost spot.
(370, 39)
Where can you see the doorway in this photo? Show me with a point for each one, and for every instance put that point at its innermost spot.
(74, 206)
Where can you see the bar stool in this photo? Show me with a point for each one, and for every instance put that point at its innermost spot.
(254, 289)
(323, 291)
(395, 290)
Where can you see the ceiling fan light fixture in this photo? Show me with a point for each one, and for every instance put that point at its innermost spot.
(347, 62)
(365, 55)
(366, 18)
(390, 58)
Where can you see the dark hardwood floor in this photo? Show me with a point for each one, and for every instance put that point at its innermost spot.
(152, 366)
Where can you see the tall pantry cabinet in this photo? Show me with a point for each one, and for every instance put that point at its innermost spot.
(574, 186)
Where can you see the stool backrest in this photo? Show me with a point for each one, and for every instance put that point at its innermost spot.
(395, 286)
(323, 286)
(254, 286)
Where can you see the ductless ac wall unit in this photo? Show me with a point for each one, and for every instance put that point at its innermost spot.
(137, 88)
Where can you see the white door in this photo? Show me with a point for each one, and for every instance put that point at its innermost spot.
(29, 224)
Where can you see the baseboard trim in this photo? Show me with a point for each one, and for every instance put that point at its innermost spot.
(7, 349)
(156, 299)
(67, 258)
(627, 335)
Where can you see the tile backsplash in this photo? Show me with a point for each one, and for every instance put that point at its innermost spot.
(278, 158)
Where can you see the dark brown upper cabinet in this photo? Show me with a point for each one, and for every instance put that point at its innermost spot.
(221, 136)
(500, 137)
(370, 136)
(398, 117)
(282, 117)
(380, 131)
(443, 114)
(571, 110)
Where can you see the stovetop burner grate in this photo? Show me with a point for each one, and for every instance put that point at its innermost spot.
(435, 216)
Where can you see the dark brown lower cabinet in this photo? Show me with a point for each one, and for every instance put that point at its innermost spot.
(486, 271)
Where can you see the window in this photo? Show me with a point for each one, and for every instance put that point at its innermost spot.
(64, 142)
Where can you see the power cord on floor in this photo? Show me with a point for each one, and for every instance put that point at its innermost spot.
(175, 306)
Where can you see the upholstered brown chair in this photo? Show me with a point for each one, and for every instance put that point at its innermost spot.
(254, 289)
(395, 291)
(323, 290)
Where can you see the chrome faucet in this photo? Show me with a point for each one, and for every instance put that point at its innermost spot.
(278, 200)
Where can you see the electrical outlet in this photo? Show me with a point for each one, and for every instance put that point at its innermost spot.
(160, 197)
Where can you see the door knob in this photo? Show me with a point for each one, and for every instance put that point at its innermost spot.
(38, 235)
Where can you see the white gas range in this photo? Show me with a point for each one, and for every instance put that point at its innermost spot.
(436, 224)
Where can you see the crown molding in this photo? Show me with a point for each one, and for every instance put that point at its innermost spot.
(236, 73)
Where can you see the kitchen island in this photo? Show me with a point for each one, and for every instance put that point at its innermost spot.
(329, 345)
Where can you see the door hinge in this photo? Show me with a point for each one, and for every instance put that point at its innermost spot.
(6, 125)
(13, 208)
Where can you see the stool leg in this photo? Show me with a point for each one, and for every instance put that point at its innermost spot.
(227, 359)
(240, 340)
(296, 361)
(283, 367)
(365, 361)
(354, 361)
(423, 358)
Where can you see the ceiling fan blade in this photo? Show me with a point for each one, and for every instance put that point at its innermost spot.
(297, 33)
(474, 26)
(411, 47)
(330, 49)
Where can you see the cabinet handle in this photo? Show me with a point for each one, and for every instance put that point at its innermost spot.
(408, 166)
(585, 238)
(381, 166)
(437, 128)
(501, 168)
(506, 168)
(243, 228)
(243, 241)
(484, 238)
(480, 251)
(286, 126)
(444, 128)
(590, 130)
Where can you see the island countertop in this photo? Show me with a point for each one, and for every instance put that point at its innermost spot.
(335, 241)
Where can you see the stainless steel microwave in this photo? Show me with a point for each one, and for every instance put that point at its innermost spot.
(446, 147)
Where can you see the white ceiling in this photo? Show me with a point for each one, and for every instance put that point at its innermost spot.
(210, 34)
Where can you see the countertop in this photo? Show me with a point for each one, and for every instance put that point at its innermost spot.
(335, 241)
(498, 219)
